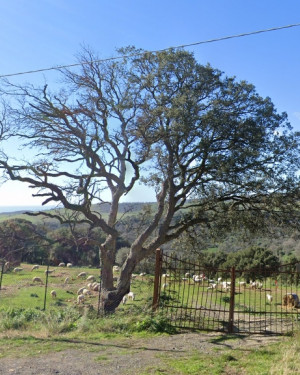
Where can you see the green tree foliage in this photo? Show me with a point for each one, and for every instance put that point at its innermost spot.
(22, 241)
(216, 153)
(253, 262)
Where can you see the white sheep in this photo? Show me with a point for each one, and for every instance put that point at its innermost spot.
(80, 298)
(164, 286)
(212, 286)
(256, 285)
(219, 279)
(53, 293)
(131, 296)
(69, 265)
(67, 279)
(35, 267)
(86, 292)
(62, 264)
(6, 266)
(197, 278)
(226, 285)
(143, 274)
(124, 299)
(18, 269)
(49, 271)
(242, 283)
(37, 280)
(187, 274)
(269, 298)
(79, 291)
(96, 287)
(91, 278)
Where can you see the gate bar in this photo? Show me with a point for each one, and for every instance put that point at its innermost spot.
(158, 261)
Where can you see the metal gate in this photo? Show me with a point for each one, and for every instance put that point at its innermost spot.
(246, 301)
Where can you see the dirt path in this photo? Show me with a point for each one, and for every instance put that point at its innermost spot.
(128, 356)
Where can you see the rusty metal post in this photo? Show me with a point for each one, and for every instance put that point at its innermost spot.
(157, 276)
(231, 307)
(46, 287)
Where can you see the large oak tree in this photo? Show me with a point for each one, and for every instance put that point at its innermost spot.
(216, 153)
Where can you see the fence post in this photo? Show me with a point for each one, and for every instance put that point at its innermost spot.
(46, 287)
(158, 259)
(2, 270)
(231, 307)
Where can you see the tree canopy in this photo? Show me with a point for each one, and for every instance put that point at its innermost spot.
(216, 153)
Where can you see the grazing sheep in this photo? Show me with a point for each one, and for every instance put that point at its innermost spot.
(124, 299)
(91, 278)
(187, 274)
(242, 283)
(219, 279)
(226, 285)
(53, 293)
(86, 292)
(256, 285)
(62, 264)
(37, 280)
(6, 266)
(197, 278)
(143, 274)
(82, 274)
(131, 296)
(165, 275)
(35, 267)
(18, 269)
(96, 287)
(49, 271)
(269, 298)
(67, 279)
(79, 291)
(212, 286)
(69, 265)
(80, 298)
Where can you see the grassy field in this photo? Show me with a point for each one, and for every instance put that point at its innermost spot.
(28, 330)
(20, 291)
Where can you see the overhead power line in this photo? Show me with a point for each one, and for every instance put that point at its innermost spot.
(154, 51)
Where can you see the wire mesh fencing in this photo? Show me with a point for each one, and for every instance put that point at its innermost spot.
(42, 286)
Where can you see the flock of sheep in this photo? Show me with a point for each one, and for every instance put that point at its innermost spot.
(289, 299)
(83, 292)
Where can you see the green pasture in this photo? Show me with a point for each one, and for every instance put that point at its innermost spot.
(19, 290)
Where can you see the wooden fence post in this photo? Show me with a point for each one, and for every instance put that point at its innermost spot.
(231, 307)
(158, 259)
(2, 270)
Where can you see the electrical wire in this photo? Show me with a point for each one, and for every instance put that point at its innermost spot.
(154, 51)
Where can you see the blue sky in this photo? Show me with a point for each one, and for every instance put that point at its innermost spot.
(39, 34)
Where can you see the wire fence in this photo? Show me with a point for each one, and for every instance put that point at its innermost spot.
(44, 286)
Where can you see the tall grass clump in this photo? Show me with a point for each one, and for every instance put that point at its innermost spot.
(61, 320)
(289, 361)
(19, 318)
